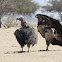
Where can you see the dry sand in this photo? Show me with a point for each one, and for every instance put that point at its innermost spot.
(10, 49)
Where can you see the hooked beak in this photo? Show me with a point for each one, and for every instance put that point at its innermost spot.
(17, 18)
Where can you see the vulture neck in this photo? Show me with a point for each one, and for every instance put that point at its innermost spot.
(24, 24)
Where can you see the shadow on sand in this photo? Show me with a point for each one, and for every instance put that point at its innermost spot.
(49, 50)
(14, 52)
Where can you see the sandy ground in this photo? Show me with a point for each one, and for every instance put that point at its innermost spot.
(10, 49)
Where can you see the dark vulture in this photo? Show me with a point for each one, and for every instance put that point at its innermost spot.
(45, 25)
(25, 34)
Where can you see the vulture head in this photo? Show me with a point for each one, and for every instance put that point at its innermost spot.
(21, 18)
(40, 17)
(23, 22)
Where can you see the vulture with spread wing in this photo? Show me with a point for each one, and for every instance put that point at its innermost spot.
(45, 25)
(25, 34)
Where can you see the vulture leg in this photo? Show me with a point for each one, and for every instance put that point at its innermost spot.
(28, 45)
(47, 48)
(48, 43)
(22, 48)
